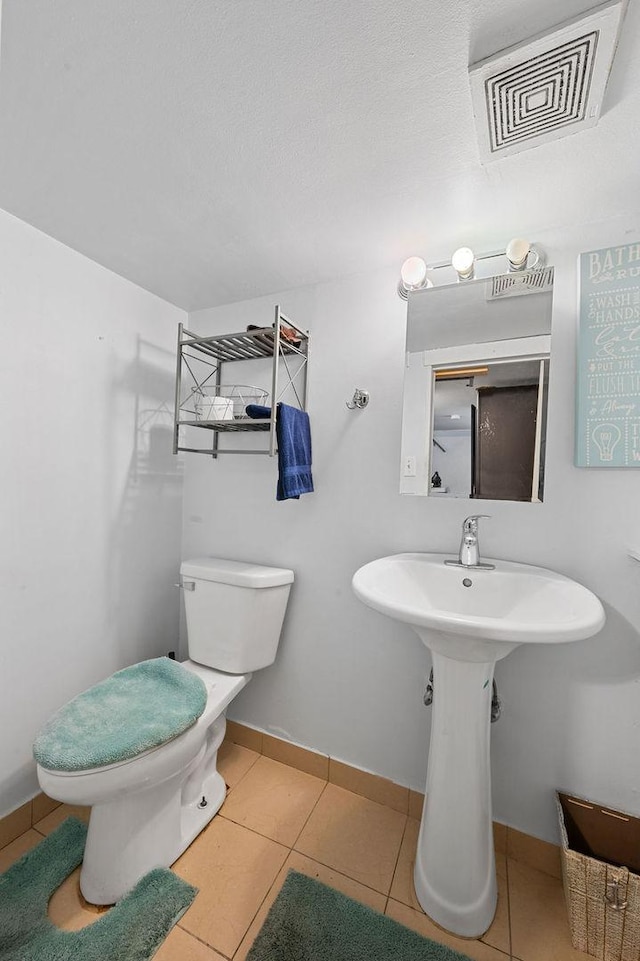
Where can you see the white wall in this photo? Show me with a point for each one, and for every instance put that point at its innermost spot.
(90, 495)
(348, 681)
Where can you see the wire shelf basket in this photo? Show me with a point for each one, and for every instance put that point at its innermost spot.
(227, 401)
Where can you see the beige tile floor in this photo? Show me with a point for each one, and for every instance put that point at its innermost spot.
(275, 818)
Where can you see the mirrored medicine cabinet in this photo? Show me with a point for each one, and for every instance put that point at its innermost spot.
(476, 388)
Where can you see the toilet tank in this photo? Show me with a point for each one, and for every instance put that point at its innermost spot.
(234, 612)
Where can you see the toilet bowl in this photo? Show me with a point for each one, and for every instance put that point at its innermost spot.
(147, 809)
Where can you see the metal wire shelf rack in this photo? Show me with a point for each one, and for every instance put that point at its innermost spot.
(200, 365)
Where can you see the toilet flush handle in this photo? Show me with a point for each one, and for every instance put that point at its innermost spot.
(187, 585)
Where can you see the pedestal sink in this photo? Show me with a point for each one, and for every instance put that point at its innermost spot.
(469, 618)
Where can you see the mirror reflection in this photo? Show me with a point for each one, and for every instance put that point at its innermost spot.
(475, 411)
(488, 431)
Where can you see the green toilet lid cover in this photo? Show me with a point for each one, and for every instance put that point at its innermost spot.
(134, 710)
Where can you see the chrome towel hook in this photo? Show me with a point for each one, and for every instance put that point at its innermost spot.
(360, 399)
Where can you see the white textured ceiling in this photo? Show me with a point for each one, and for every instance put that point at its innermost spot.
(213, 150)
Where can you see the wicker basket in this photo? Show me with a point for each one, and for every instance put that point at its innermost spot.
(603, 900)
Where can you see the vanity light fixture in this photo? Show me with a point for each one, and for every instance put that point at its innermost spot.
(519, 257)
(413, 276)
(463, 262)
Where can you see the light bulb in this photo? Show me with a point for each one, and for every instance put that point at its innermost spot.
(463, 263)
(518, 253)
(413, 272)
(413, 276)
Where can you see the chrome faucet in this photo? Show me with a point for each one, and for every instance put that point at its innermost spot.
(469, 553)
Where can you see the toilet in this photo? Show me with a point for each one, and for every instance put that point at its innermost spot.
(148, 805)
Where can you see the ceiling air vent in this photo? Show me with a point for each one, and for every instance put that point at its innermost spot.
(547, 88)
(517, 284)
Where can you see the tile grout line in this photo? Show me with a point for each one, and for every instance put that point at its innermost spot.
(290, 849)
(201, 941)
(344, 873)
(315, 804)
(259, 908)
(395, 866)
(268, 837)
(330, 867)
(239, 824)
(482, 937)
(506, 865)
(267, 893)
(239, 781)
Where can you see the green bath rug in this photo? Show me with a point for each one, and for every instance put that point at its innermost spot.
(131, 931)
(310, 922)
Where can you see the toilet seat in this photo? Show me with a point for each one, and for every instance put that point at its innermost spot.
(109, 767)
(136, 709)
(152, 765)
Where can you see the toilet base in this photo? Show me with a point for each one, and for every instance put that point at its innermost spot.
(132, 834)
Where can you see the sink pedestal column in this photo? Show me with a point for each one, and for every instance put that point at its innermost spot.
(469, 617)
(455, 876)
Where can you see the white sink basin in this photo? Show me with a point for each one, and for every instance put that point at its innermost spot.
(469, 618)
(513, 604)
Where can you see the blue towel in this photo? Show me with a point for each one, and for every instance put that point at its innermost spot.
(294, 449)
(294, 453)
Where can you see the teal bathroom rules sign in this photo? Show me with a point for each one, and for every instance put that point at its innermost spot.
(608, 375)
